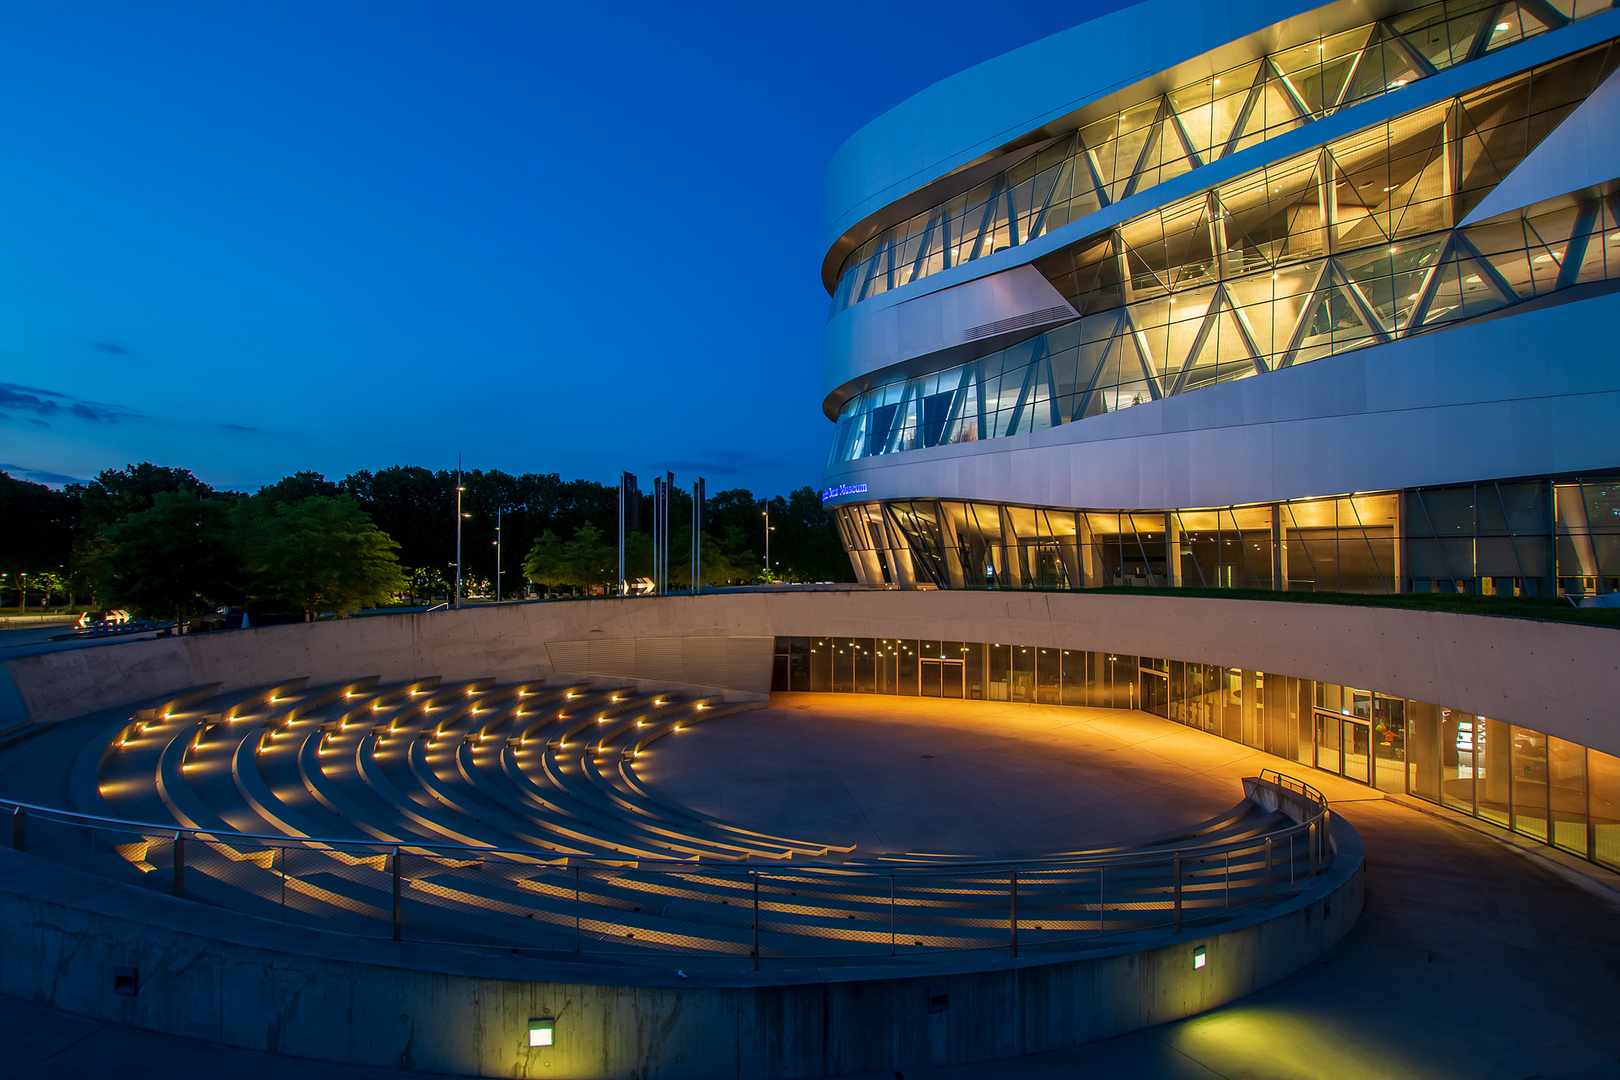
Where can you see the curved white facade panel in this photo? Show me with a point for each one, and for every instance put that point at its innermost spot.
(941, 327)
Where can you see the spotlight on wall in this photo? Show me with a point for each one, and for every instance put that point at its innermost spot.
(1198, 958)
(541, 1030)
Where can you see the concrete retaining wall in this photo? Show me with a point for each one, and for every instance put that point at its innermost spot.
(1561, 678)
(213, 975)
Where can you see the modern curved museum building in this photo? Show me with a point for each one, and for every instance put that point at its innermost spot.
(1248, 296)
(1253, 295)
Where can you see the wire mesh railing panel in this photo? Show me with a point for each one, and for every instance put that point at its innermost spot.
(1059, 905)
(668, 911)
(538, 901)
(938, 912)
(1138, 896)
(241, 875)
(823, 915)
(64, 842)
(1205, 887)
(472, 900)
(350, 891)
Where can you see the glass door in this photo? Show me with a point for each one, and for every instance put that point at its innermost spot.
(1356, 745)
(1328, 754)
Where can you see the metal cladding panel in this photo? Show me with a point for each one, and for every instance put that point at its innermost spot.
(1582, 152)
(941, 328)
(1528, 394)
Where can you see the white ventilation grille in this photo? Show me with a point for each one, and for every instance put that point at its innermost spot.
(1017, 322)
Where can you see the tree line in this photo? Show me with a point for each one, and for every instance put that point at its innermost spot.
(158, 540)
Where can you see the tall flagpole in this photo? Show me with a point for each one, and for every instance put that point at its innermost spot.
(458, 530)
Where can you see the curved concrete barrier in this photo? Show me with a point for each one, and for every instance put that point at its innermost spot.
(119, 953)
(1557, 678)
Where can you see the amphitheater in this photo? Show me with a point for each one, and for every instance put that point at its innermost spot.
(475, 842)
(587, 839)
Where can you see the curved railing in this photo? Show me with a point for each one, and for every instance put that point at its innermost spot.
(735, 915)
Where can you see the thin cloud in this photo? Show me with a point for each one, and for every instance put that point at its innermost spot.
(237, 427)
(38, 476)
(45, 404)
(725, 463)
(109, 347)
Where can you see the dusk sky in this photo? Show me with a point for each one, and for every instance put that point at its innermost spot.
(253, 238)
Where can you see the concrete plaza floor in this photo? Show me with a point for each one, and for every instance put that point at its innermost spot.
(1478, 956)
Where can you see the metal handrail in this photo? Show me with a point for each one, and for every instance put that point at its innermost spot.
(612, 906)
(1291, 783)
(1054, 861)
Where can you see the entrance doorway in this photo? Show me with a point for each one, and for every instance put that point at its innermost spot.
(1344, 746)
(942, 678)
(1357, 747)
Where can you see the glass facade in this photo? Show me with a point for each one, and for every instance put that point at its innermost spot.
(1543, 787)
(1337, 249)
(1110, 157)
(1527, 537)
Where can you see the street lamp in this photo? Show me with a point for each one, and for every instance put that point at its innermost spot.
(459, 516)
(498, 511)
(768, 531)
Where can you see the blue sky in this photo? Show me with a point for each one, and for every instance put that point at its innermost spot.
(253, 238)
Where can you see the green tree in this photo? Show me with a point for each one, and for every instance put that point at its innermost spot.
(805, 544)
(590, 560)
(115, 494)
(320, 553)
(38, 529)
(297, 487)
(172, 560)
(719, 567)
(544, 563)
(582, 563)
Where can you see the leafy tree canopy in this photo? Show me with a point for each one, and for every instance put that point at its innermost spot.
(321, 553)
(174, 559)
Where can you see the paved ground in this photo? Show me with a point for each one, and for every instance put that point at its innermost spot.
(1474, 959)
(904, 774)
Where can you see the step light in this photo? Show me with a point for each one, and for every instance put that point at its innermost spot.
(1198, 958)
(541, 1031)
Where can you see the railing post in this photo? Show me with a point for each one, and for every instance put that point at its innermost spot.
(179, 864)
(399, 912)
(1268, 871)
(756, 920)
(1012, 908)
(891, 914)
(19, 822)
(1176, 863)
(1102, 901)
(1315, 851)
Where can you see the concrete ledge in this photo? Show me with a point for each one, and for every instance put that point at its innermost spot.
(207, 973)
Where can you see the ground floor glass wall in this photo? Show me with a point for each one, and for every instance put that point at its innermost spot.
(1540, 786)
(1548, 536)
